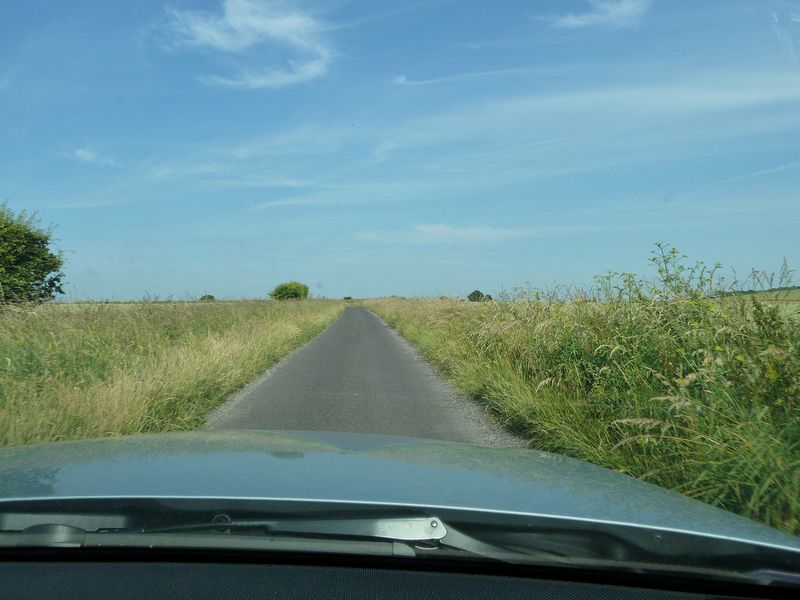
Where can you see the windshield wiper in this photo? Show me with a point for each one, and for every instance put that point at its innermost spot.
(413, 537)
(423, 533)
(418, 534)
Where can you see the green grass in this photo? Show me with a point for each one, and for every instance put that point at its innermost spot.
(71, 371)
(661, 381)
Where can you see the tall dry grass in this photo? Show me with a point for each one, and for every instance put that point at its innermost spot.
(90, 370)
(664, 380)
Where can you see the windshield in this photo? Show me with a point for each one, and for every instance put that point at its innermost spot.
(550, 244)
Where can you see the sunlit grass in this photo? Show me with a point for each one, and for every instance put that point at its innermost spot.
(668, 383)
(89, 370)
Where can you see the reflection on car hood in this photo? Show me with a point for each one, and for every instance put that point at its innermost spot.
(358, 468)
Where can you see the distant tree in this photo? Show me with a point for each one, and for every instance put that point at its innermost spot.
(348, 298)
(29, 271)
(291, 290)
(478, 296)
(207, 298)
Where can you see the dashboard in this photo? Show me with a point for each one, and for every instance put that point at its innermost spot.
(177, 580)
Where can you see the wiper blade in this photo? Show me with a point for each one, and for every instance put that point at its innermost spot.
(61, 536)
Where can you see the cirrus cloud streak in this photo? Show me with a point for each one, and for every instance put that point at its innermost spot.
(269, 44)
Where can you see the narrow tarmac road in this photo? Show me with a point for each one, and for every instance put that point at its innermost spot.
(360, 376)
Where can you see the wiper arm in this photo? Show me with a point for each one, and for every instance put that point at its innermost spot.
(418, 529)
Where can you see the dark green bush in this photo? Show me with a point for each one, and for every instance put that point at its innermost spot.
(291, 290)
(478, 296)
(29, 271)
(348, 298)
(207, 298)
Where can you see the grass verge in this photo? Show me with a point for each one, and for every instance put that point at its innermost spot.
(92, 370)
(695, 392)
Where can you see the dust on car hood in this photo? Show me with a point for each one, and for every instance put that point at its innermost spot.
(344, 467)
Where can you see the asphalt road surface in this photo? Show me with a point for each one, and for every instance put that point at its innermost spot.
(360, 376)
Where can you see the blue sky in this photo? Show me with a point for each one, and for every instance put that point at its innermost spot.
(407, 148)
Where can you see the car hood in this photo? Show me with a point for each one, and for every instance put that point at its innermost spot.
(359, 468)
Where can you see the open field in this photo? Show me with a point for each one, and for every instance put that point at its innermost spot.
(787, 299)
(698, 395)
(71, 371)
(791, 294)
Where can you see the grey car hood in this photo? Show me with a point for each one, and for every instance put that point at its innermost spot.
(362, 469)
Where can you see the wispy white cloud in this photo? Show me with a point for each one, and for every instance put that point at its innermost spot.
(357, 193)
(368, 18)
(307, 200)
(458, 77)
(228, 174)
(605, 13)
(719, 91)
(383, 150)
(786, 25)
(483, 147)
(248, 30)
(442, 233)
(613, 122)
(91, 157)
(80, 204)
(760, 173)
(304, 140)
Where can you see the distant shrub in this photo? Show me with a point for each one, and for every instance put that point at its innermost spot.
(348, 297)
(291, 290)
(478, 296)
(207, 298)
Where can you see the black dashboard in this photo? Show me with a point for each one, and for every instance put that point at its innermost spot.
(62, 580)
